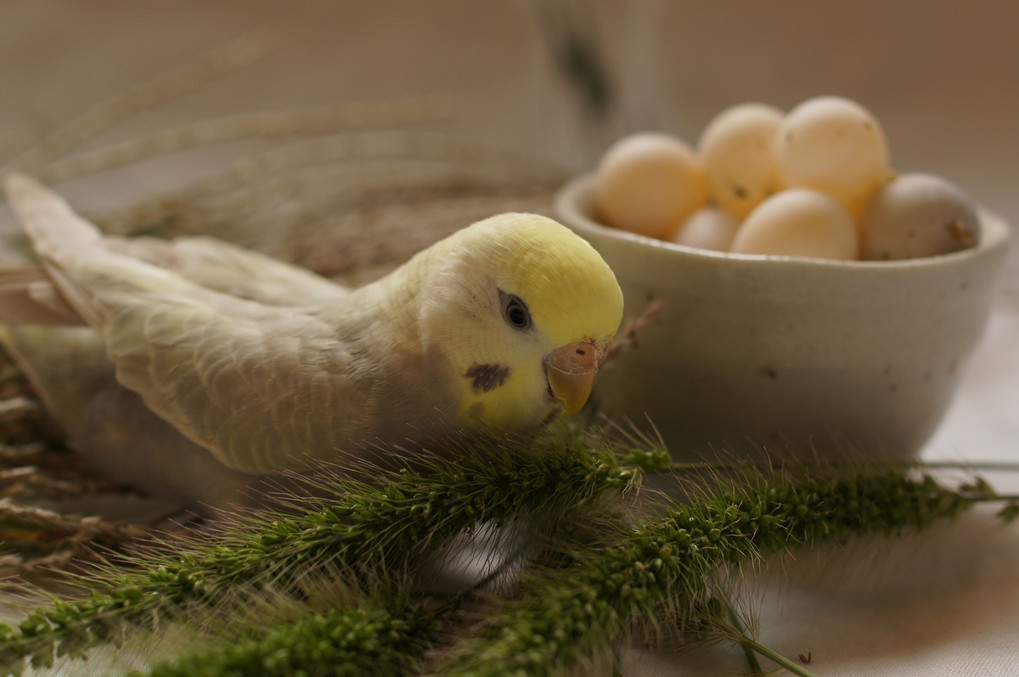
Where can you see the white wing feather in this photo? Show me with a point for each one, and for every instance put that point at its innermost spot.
(27, 294)
(261, 386)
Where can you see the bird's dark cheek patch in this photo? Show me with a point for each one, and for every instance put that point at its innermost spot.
(487, 376)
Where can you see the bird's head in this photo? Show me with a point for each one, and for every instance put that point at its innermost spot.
(522, 310)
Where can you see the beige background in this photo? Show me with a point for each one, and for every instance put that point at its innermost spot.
(943, 77)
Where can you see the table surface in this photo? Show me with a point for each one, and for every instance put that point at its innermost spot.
(942, 82)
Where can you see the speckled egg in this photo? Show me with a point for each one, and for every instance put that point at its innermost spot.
(917, 215)
(737, 151)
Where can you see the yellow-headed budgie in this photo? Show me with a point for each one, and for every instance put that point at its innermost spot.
(264, 367)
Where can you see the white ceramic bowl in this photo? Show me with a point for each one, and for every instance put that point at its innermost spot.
(789, 356)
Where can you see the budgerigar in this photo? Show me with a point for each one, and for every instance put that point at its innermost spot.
(264, 367)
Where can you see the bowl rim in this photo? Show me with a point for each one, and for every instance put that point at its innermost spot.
(575, 198)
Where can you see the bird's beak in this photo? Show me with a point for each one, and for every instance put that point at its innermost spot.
(570, 370)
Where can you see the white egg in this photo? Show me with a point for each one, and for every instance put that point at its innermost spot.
(708, 228)
(648, 183)
(799, 222)
(836, 146)
(916, 215)
(737, 151)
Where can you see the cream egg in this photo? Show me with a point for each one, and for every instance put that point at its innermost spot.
(799, 222)
(836, 146)
(708, 228)
(648, 183)
(737, 151)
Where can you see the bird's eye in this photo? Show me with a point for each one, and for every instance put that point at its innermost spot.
(515, 312)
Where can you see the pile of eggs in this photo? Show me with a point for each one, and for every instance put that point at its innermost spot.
(814, 182)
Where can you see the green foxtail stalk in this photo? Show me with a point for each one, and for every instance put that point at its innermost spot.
(664, 567)
(362, 528)
(369, 639)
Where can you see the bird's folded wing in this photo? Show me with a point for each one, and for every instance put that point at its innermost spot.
(27, 295)
(233, 270)
(262, 387)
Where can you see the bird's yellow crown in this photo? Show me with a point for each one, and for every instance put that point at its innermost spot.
(566, 282)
